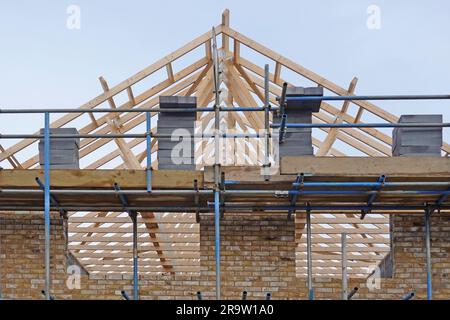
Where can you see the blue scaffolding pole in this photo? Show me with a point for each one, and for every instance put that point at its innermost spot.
(363, 125)
(370, 97)
(47, 202)
(133, 217)
(217, 240)
(428, 254)
(148, 140)
(309, 253)
(372, 197)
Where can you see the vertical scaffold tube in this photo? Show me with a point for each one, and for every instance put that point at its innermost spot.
(217, 242)
(309, 254)
(428, 253)
(266, 122)
(344, 266)
(149, 151)
(135, 257)
(47, 203)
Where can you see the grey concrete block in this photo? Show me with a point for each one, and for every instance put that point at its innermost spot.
(302, 91)
(56, 158)
(311, 106)
(295, 150)
(168, 157)
(177, 102)
(175, 131)
(167, 153)
(174, 102)
(416, 149)
(418, 138)
(61, 131)
(417, 141)
(169, 145)
(63, 166)
(178, 116)
(417, 155)
(176, 167)
(64, 152)
(420, 118)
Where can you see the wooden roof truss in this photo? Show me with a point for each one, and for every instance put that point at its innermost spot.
(169, 243)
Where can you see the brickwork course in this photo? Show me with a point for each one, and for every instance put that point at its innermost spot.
(258, 255)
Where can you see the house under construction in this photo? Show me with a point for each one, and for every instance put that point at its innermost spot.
(226, 181)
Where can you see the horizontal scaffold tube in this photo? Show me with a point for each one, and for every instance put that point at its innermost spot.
(360, 184)
(364, 125)
(231, 207)
(276, 193)
(370, 97)
(121, 191)
(136, 110)
(131, 135)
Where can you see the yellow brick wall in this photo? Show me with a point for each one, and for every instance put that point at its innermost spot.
(258, 255)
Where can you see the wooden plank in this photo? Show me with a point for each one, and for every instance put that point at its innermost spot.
(237, 51)
(208, 51)
(129, 159)
(194, 86)
(12, 159)
(131, 98)
(226, 23)
(170, 72)
(86, 178)
(105, 87)
(359, 115)
(250, 82)
(276, 77)
(366, 166)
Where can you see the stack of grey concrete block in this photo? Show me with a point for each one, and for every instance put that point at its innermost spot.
(311, 106)
(64, 152)
(177, 151)
(417, 142)
(298, 141)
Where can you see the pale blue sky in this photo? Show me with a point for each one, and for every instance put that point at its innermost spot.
(44, 64)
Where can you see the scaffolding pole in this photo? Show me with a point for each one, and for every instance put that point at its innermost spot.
(309, 253)
(217, 240)
(148, 139)
(133, 216)
(428, 253)
(266, 123)
(216, 161)
(47, 202)
(371, 97)
(344, 266)
(364, 125)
